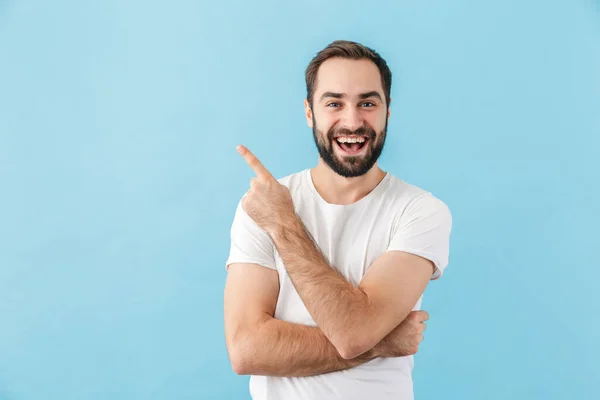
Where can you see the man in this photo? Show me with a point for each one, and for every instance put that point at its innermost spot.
(327, 265)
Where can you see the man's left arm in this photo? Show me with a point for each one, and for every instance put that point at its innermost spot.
(355, 319)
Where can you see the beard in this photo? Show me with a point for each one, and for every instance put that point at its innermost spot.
(350, 166)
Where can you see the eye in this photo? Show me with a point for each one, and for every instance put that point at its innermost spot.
(368, 104)
(334, 104)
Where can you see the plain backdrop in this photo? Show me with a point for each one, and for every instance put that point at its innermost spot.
(119, 179)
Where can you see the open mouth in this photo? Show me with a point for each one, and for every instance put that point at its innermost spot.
(351, 146)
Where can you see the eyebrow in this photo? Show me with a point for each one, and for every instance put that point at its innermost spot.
(362, 96)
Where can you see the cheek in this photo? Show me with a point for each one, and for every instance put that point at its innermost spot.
(376, 121)
(323, 125)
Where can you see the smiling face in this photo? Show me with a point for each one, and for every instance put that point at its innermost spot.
(348, 115)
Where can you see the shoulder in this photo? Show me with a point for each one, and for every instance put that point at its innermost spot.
(413, 201)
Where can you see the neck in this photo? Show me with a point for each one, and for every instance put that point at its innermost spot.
(335, 189)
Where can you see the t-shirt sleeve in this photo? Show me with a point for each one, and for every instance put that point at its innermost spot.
(249, 242)
(424, 230)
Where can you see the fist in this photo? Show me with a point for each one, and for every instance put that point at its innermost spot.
(268, 202)
(405, 339)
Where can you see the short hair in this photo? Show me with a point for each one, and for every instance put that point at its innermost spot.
(349, 50)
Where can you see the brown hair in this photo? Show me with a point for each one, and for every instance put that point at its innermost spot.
(349, 50)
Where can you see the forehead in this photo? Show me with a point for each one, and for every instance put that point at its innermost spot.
(348, 76)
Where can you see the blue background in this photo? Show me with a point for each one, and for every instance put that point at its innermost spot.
(119, 179)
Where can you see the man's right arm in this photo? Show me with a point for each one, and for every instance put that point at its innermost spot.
(259, 344)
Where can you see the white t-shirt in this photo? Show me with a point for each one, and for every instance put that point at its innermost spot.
(393, 216)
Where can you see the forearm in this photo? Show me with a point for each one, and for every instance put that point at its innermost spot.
(280, 348)
(337, 307)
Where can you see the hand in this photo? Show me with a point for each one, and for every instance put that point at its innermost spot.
(268, 202)
(405, 339)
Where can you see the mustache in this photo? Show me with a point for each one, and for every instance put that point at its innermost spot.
(362, 131)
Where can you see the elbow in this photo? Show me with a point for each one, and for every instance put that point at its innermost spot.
(349, 353)
(352, 352)
(239, 358)
(352, 346)
(240, 368)
(239, 365)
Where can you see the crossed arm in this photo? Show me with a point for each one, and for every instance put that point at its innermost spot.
(259, 344)
(354, 319)
(351, 321)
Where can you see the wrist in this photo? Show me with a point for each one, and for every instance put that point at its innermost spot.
(285, 226)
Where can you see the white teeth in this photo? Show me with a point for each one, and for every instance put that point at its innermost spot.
(343, 139)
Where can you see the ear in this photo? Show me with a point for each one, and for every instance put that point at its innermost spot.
(389, 112)
(308, 113)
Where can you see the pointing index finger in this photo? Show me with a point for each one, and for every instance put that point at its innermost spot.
(260, 170)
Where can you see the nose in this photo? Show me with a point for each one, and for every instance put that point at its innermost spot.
(351, 119)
